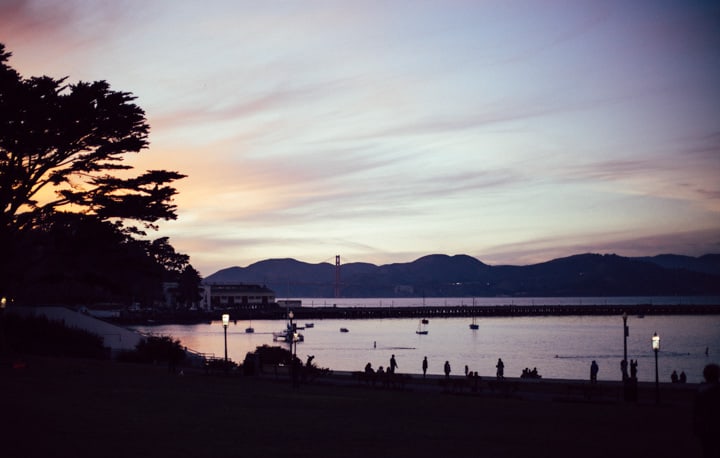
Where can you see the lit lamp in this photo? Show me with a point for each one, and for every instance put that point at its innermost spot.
(3, 304)
(225, 322)
(292, 331)
(656, 349)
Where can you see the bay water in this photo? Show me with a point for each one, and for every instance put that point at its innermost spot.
(560, 347)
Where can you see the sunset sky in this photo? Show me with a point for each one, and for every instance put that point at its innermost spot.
(382, 131)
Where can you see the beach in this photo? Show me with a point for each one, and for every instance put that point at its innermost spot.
(75, 407)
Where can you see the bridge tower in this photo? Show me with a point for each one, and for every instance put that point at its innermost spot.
(337, 276)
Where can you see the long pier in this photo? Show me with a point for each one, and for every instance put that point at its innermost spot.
(499, 311)
(419, 312)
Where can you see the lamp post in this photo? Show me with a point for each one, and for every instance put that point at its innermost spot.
(625, 336)
(656, 349)
(292, 334)
(225, 322)
(3, 304)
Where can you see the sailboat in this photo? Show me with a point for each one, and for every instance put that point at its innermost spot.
(250, 329)
(421, 329)
(474, 324)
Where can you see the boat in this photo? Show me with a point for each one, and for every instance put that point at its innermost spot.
(249, 330)
(344, 330)
(425, 321)
(287, 336)
(422, 329)
(309, 325)
(474, 324)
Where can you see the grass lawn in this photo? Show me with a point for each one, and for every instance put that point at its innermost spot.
(78, 408)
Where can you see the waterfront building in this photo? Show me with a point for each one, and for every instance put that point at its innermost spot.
(237, 296)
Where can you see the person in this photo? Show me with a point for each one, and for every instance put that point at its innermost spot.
(593, 372)
(706, 421)
(624, 369)
(633, 369)
(393, 365)
(466, 370)
(368, 369)
(447, 369)
(424, 366)
(674, 377)
(683, 377)
(500, 369)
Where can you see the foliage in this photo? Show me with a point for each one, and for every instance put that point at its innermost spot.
(63, 181)
(189, 286)
(40, 336)
(273, 355)
(78, 259)
(155, 349)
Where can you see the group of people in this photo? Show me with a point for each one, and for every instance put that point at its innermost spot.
(682, 378)
(447, 369)
(380, 370)
(633, 369)
(530, 373)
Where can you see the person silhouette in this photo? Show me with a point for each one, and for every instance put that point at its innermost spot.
(393, 365)
(424, 366)
(447, 369)
(593, 372)
(500, 369)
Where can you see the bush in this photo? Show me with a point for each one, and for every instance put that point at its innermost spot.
(155, 349)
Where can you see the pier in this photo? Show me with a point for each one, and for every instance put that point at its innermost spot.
(499, 311)
(386, 312)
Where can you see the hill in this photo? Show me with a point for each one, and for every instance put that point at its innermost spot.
(441, 275)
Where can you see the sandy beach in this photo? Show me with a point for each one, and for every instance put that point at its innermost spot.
(68, 407)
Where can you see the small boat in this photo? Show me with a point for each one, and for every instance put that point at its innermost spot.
(344, 330)
(421, 329)
(286, 336)
(309, 325)
(249, 330)
(425, 321)
(474, 324)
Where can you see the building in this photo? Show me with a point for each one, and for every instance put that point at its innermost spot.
(237, 296)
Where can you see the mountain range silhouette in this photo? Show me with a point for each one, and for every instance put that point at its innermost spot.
(440, 275)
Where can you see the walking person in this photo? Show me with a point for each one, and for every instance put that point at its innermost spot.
(393, 365)
(447, 369)
(500, 369)
(593, 372)
(424, 366)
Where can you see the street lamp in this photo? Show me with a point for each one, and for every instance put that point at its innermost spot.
(292, 332)
(3, 304)
(225, 322)
(625, 336)
(656, 349)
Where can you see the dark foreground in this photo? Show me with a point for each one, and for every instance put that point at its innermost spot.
(60, 407)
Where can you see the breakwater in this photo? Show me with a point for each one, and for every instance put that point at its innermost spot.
(384, 312)
(499, 310)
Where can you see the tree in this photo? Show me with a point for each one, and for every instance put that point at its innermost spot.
(189, 287)
(71, 139)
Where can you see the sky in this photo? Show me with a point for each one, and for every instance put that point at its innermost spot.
(512, 131)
